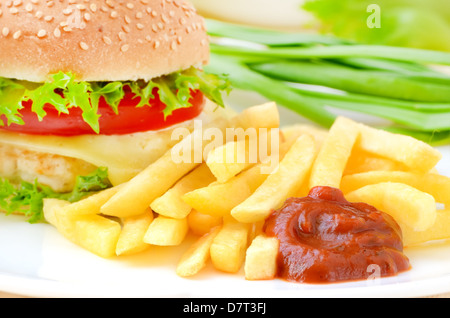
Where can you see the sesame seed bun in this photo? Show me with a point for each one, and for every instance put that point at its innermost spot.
(99, 40)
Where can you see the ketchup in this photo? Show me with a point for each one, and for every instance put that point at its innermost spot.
(324, 239)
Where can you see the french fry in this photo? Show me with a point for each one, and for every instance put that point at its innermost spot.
(294, 131)
(165, 231)
(285, 181)
(436, 185)
(137, 194)
(260, 116)
(171, 204)
(333, 156)
(131, 239)
(51, 207)
(261, 258)
(200, 223)
(55, 214)
(439, 231)
(229, 246)
(196, 257)
(219, 199)
(412, 152)
(238, 155)
(256, 229)
(361, 161)
(94, 233)
(404, 203)
(229, 160)
(93, 203)
(97, 234)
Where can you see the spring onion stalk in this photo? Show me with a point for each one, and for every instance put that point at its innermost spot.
(244, 78)
(268, 37)
(378, 83)
(373, 100)
(395, 83)
(341, 51)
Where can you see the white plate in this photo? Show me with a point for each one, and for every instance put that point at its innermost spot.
(36, 261)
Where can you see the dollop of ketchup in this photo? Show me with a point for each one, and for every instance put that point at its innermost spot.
(325, 239)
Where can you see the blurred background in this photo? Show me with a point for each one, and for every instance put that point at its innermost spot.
(408, 23)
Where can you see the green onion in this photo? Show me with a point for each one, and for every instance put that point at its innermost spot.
(378, 83)
(315, 75)
(268, 37)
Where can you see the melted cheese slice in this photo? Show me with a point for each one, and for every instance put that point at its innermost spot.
(123, 155)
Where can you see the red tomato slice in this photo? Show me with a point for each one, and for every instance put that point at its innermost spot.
(131, 119)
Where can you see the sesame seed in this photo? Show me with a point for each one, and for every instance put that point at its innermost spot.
(57, 33)
(122, 36)
(110, 3)
(41, 33)
(17, 35)
(125, 48)
(67, 11)
(84, 46)
(140, 26)
(107, 40)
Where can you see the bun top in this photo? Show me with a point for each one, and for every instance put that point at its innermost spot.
(99, 40)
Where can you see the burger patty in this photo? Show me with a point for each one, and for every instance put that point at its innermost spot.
(55, 171)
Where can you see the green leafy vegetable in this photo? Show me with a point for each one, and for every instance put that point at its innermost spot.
(407, 23)
(64, 92)
(316, 80)
(27, 198)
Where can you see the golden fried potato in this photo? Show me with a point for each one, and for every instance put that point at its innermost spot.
(195, 258)
(97, 234)
(334, 154)
(200, 223)
(131, 240)
(407, 150)
(405, 204)
(151, 183)
(436, 185)
(259, 116)
(171, 204)
(439, 231)
(165, 231)
(282, 183)
(261, 258)
(229, 246)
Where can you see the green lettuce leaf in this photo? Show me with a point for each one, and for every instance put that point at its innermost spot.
(64, 92)
(28, 198)
(406, 23)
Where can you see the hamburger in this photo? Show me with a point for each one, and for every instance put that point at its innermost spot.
(90, 92)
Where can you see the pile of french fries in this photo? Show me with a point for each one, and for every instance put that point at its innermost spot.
(224, 203)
